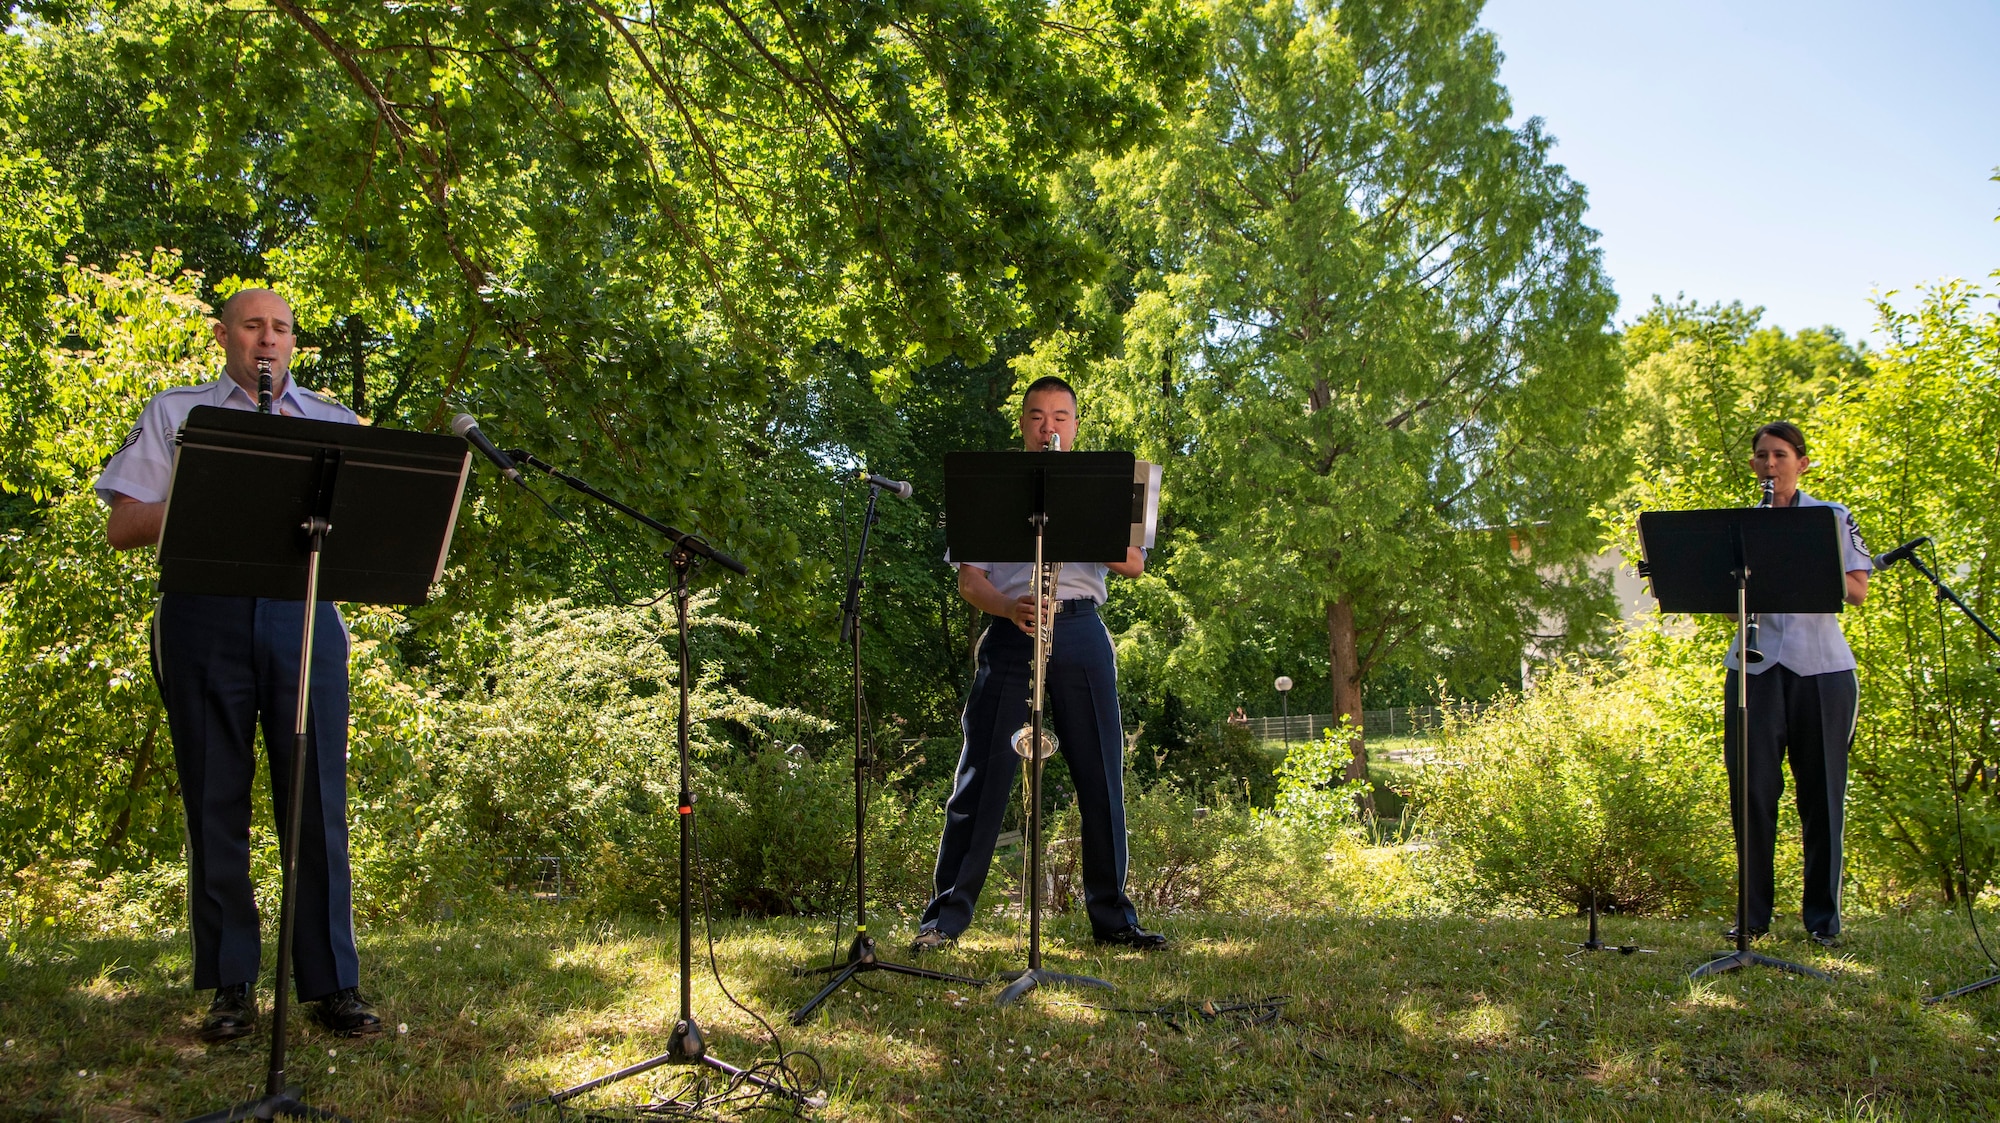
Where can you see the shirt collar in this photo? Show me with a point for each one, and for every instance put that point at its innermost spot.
(232, 389)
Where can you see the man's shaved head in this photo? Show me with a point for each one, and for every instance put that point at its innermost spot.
(232, 309)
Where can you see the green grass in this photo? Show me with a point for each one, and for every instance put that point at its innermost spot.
(1388, 1018)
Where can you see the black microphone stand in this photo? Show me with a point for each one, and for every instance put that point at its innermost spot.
(1742, 956)
(280, 1098)
(861, 953)
(685, 1045)
(1945, 593)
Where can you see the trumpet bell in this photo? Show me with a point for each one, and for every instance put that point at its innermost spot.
(1024, 742)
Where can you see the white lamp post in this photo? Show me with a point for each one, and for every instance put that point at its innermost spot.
(1284, 685)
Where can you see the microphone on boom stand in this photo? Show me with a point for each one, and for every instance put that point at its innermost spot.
(263, 384)
(1900, 553)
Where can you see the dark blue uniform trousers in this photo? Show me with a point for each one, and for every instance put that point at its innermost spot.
(1082, 697)
(226, 665)
(1809, 719)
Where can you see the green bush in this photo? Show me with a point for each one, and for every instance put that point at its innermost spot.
(566, 749)
(1185, 857)
(1594, 781)
(1306, 854)
(778, 836)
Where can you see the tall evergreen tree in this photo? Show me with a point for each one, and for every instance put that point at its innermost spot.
(1366, 329)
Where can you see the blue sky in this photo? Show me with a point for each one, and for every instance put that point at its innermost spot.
(1797, 156)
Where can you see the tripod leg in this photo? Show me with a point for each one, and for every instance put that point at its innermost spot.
(1988, 981)
(1021, 985)
(804, 1013)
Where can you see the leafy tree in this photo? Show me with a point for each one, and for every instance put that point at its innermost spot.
(1915, 450)
(1701, 379)
(1364, 328)
(615, 230)
(85, 767)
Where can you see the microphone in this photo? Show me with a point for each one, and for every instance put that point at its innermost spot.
(1900, 553)
(467, 426)
(900, 489)
(263, 384)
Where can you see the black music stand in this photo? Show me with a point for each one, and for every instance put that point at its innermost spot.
(1704, 561)
(251, 504)
(861, 954)
(1038, 507)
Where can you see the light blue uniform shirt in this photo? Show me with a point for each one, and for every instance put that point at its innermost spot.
(1810, 643)
(1017, 579)
(144, 465)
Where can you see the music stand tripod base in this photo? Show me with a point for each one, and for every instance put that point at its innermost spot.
(1744, 957)
(1025, 981)
(284, 1105)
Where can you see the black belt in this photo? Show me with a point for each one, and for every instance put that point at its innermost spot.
(1072, 606)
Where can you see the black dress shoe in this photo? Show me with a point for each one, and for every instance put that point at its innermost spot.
(231, 1015)
(345, 1012)
(1133, 936)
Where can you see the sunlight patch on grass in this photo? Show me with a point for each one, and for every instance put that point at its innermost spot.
(1484, 1024)
(1711, 996)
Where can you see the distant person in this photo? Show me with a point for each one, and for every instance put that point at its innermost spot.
(226, 664)
(1082, 696)
(1240, 718)
(1804, 698)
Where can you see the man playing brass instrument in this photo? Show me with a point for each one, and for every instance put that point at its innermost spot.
(1082, 696)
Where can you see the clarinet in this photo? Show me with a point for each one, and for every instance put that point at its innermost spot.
(1750, 652)
(263, 385)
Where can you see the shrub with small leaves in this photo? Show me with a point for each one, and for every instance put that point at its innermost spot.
(1592, 782)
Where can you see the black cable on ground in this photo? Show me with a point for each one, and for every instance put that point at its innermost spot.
(790, 1082)
(1252, 1012)
(788, 1071)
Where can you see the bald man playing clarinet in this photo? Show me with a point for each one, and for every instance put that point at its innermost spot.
(226, 665)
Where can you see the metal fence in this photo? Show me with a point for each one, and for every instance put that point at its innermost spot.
(1396, 722)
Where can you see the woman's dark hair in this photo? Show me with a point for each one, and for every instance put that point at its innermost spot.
(1047, 382)
(1784, 431)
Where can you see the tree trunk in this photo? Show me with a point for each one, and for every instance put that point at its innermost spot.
(1344, 654)
(142, 767)
(357, 363)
